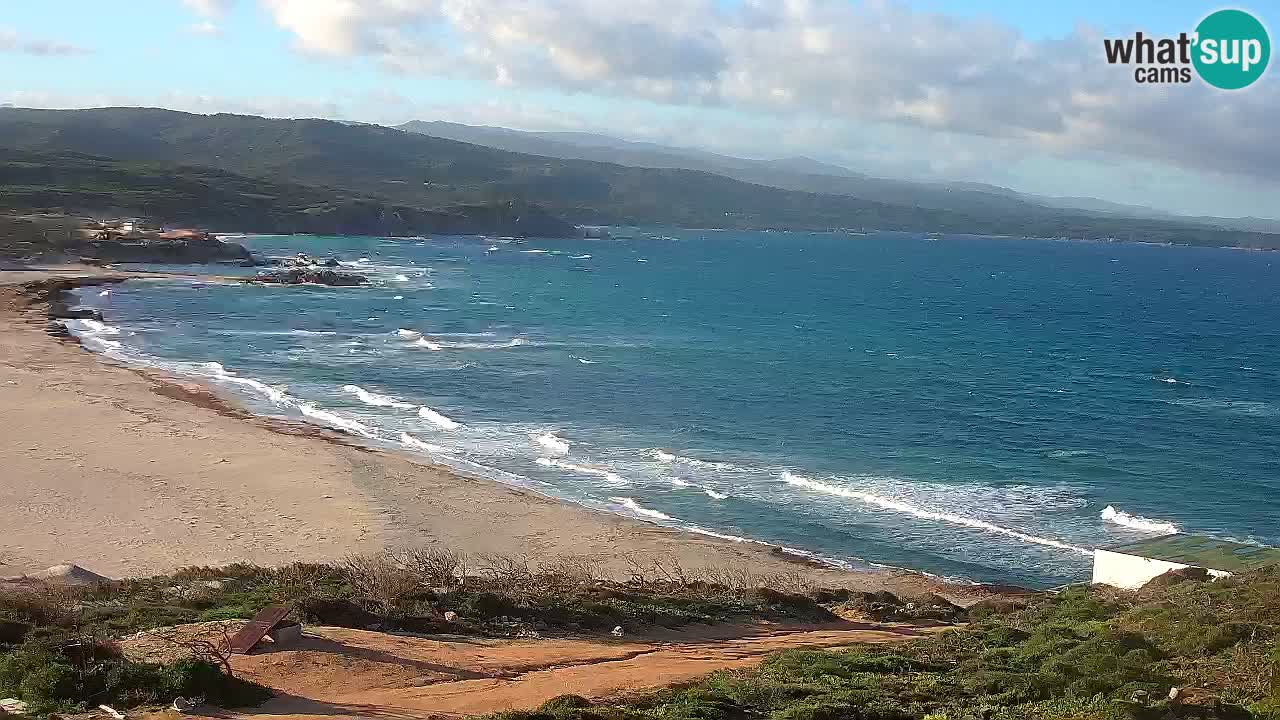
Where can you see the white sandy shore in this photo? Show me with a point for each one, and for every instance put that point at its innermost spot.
(130, 472)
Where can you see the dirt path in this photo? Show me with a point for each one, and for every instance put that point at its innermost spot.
(336, 673)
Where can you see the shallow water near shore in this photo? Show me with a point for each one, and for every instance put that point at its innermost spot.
(979, 408)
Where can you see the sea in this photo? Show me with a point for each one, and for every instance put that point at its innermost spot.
(982, 409)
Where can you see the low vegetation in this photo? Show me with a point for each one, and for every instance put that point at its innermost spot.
(59, 650)
(1192, 650)
(1178, 649)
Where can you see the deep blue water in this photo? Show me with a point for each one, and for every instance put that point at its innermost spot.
(969, 407)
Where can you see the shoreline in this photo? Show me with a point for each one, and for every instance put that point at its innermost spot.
(280, 490)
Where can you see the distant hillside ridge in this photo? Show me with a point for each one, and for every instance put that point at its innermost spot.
(380, 176)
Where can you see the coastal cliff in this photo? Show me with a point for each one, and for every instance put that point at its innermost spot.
(45, 237)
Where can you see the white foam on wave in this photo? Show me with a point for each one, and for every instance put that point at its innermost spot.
(401, 278)
(637, 508)
(514, 342)
(585, 361)
(221, 374)
(552, 442)
(713, 494)
(1136, 522)
(671, 458)
(437, 419)
(609, 475)
(896, 506)
(335, 420)
(104, 293)
(438, 344)
(535, 252)
(580, 257)
(375, 399)
(429, 344)
(93, 326)
(1059, 454)
(412, 442)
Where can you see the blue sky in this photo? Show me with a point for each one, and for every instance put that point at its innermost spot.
(994, 91)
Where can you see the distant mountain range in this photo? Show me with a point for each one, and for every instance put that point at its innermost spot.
(235, 172)
(800, 173)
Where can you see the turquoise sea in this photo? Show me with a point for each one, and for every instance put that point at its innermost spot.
(973, 407)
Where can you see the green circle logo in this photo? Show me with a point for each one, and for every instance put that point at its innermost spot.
(1232, 49)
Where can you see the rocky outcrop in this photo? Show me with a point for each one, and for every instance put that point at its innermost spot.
(311, 276)
(186, 250)
(884, 606)
(303, 260)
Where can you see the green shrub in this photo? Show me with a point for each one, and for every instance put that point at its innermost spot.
(50, 681)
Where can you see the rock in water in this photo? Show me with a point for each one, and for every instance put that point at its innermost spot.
(301, 275)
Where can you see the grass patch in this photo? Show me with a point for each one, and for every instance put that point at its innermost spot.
(57, 651)
(1085, 654)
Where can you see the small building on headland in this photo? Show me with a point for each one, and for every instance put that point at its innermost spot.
(1133, 565)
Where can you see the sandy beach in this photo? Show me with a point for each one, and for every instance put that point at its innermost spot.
(131, 472)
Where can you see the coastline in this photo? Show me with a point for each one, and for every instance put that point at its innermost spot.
(131, 471)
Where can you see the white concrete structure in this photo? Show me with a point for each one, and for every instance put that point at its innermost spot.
(1131, 572)
(1133, 565)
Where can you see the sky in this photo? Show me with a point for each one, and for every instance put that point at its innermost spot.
(1016, 94)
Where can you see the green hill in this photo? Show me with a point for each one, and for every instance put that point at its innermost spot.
(393, 169)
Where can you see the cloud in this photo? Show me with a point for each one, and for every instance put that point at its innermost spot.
(279, 107)
(209, 8)
(206, 27)
(11, 42)
(877, 62)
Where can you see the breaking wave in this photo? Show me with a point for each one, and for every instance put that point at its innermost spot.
(92, 326)
(438, 344)
(376, 400)
(639, 509)
(671, 458)
(550, 441)
(896, 506)
(334, 420)
(1137, 522)
(584, 470)
(437, 419)
(221, 374)
(412, 442)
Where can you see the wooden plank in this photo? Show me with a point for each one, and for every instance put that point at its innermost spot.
(261, 624)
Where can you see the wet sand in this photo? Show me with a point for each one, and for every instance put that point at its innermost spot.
(131, 472)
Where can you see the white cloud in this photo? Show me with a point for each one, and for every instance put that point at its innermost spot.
(206, 27)
(879, 61)
(209, 8)
(11, 42)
